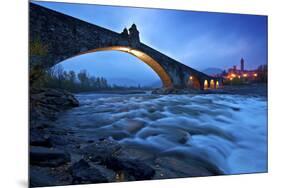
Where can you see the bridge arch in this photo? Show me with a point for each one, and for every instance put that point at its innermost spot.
(152, 63)
(63, 36)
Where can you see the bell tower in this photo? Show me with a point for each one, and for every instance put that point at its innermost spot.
(242, 64)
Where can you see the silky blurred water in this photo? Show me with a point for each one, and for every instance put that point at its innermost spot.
(229, 131)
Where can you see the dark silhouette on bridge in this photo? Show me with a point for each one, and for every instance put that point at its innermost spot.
(65, 37)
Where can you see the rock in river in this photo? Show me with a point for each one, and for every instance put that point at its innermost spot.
(101, 151)
(134, 169)
(42, 177)
(42, 156)
(46, 103)
(83, 173)
(39, 138)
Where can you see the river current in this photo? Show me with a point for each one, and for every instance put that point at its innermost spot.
(229, 131)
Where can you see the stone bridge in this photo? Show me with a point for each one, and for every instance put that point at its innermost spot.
(64, 37)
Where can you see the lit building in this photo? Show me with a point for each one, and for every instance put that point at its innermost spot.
(241, 73)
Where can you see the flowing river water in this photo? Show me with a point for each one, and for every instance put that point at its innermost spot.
(229, 131)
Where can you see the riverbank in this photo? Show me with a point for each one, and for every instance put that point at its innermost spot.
(249, 89)
(120, 92)
(140, 137)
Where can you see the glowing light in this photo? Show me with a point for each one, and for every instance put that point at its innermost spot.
(255, 74)
(193, 82)
(231, 78)
(245, 75)
(166, 80)
(136, 53)
(212, 84)
(124, 49)
(206, 85)
(239, 76)
(217, 84)
(233, 75)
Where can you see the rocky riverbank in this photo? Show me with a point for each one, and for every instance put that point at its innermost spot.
(128, 137)
(59, 156)
(46, 104)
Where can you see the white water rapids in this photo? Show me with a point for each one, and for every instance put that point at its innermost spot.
(230, 131)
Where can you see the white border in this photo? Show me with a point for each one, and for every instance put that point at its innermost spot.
(13, 95)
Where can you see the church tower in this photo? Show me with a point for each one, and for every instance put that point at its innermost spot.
(242, 64)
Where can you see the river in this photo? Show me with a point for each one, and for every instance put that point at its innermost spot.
(229, 131)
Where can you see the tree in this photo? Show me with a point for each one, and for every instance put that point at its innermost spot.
(37, 53)
(262, 73)
(84, 79)
(56, 77)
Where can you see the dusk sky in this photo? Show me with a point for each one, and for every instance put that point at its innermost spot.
(198, 39)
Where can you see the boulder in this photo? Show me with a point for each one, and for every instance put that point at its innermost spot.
(46, 103)
(38, 138)
(58, 140)
(83, 173)
(42, 156)
(42, 177)
(134, 169)
(101, 151)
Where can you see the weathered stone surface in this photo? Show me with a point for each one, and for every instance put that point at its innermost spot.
(53, 99)
(171, 167)
(45, 104)
(58, 140)
(83, 173)
(134, 169)
(42, 156)
(101, 151)
(42, 177)
(39, 138)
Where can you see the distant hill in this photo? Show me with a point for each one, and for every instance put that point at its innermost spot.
(212, 71)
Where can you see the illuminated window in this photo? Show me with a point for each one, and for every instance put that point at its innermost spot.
(206, 84)
(217, 84)
(212, 84)
(190, 78)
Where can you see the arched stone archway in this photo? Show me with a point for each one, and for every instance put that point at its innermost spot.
(206, 84)
(212, 84)
(153, 64)
(193, 82)
(217, 84)
(64, 36)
